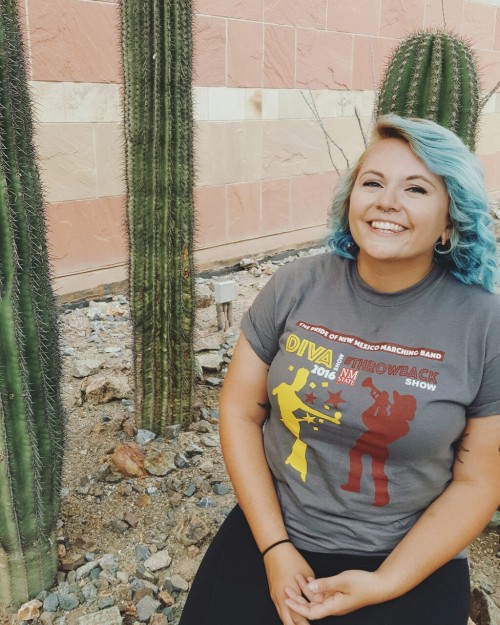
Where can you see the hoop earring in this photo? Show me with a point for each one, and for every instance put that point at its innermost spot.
(439, 248)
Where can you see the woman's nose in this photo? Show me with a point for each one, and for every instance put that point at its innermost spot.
(387, 201)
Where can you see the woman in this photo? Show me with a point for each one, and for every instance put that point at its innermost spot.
(375, 372)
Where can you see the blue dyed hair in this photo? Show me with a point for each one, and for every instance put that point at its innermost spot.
(472, 257)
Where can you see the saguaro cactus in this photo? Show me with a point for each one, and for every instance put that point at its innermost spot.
(157, 55)
(433, 75)
(31, 417)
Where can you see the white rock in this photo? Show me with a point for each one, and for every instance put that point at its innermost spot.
(109, 616)
(210, 361)
(159, 560)
(86, 367)
(30, 610)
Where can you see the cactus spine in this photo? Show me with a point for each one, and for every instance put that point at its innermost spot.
(157, 66)
(433, 75)
(31, 416)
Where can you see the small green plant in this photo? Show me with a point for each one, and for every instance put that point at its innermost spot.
(31, 415)
(157, 66)
(433, 75)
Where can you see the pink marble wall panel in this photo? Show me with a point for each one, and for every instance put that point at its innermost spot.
(355, 16)
(241, 9)
(275, 205)
(324, 59)
(74, 41)
(279, 56)
(370, 58)
(307, 14)
(88, 234)
(243, 210)
(478, 24)
(398, 19)
(245, 50)
(209, 51)
(489, 65)
(496, 44)
(444, 14)
(491, 165)
(311, 197)
(210, 215)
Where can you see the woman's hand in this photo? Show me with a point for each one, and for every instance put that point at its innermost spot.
(337, 595)
(284, 566)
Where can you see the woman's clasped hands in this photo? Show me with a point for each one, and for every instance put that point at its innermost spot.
(335, 596)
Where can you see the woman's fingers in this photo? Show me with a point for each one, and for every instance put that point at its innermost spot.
(289, 617)
(299, 620)
(319, 598)
(295, 596)
(299, 608)
(305, 587)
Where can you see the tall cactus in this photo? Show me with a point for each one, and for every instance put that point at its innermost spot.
(157, 65)
(31, 416)
(433, 75)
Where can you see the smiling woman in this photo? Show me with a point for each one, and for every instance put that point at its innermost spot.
(397, 212)
(354, 506)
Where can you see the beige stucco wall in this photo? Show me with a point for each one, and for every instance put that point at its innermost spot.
(265, 175)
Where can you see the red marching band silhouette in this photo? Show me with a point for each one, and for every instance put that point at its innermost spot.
(386, 422)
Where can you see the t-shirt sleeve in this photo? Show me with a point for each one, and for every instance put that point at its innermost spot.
(259, 323)
(487, 401)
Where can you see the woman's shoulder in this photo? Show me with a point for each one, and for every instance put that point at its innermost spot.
(479, 302)
(317, 265)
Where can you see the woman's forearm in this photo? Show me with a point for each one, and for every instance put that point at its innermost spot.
(243, 409)
(243, 450)
(457, 516)
(446, 527)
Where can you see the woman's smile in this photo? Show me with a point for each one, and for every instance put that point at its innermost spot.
(386, 226)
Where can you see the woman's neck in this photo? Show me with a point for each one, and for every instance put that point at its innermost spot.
(390, 277)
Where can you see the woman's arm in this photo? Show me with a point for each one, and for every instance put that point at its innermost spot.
(450, 523)
(243, 410)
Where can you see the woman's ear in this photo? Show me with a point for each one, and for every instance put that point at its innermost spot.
(446, 234)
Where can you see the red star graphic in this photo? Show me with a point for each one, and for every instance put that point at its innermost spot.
(335, 399)
(310, 397)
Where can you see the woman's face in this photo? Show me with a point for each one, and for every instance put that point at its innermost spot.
(398, 209)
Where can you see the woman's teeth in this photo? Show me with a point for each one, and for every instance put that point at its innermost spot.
(387, 226)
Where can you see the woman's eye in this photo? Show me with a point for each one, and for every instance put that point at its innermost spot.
(371, 183)
(417, 189)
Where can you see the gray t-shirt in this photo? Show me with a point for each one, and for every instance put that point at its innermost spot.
(369, 394)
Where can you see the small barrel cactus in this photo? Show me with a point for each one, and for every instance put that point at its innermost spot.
(31, 415)
(433, 75)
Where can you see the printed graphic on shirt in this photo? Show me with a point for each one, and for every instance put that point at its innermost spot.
(346, 368)
(290, 403)
(386, 422)
(305, 400)
(393, 348)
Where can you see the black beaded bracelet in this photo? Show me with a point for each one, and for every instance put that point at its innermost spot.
(279, 542)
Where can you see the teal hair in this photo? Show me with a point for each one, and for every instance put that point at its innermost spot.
(472, 257)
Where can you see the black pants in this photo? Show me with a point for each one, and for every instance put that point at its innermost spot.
(231, 588)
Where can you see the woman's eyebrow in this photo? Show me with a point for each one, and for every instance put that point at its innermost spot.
(409, 178)
(420, 177)
(372, 171)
